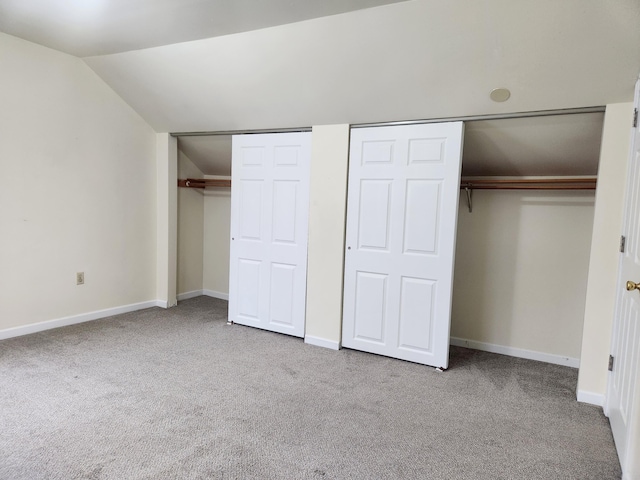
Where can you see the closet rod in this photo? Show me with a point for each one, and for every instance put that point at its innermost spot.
(587, 183)
(475, 186)
(479, 184)
(204, 182)
(532, 180)
(469, 185)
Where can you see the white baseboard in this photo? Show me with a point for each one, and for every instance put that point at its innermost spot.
(516, 352)
(198, 293)
(321, 342)
(214, 294)
(188, 295)
(74, 319)
(591, 398)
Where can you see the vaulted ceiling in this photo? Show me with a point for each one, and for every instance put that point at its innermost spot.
(99, 27)
(555, 145)
(408, 60)
(257, 64)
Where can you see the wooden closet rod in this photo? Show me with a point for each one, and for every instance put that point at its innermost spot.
(587, 183)
(204, 182)
(469, 185)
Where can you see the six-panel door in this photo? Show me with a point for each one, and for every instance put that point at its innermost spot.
(401, 224)
(269, 230)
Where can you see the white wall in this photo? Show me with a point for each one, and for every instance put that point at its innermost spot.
(167, 219)
(521, 271)
(603, 263)
(217, 230)
(77, 190)
(190, 229)
(327, 216)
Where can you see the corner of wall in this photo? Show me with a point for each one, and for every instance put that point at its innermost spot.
(604, 258)
(167, 215)
(63, 125)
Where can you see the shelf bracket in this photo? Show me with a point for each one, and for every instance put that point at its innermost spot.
(469, 197)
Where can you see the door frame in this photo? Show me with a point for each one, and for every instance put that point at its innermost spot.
(633, 428)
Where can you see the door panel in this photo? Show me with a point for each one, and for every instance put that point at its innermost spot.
(370, 311)
(249, 278)
(416, 314)
(285, 200)
(375, 208)
(282, 294)
(421, 213)
(250, 198)
(401, 219)
(269, 219)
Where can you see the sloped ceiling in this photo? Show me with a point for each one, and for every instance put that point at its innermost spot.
(409, 60)
(210, 153)
(99, 27)
(564, 145)
(400, 60)
(557, 145)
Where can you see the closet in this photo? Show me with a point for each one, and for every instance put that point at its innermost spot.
(524, 235)
(522, 245)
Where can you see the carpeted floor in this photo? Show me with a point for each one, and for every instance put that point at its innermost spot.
(178, 394)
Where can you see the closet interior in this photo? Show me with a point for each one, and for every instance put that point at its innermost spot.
(524, 228)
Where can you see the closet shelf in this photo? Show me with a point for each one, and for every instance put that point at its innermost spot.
(204, 182)
(552, 183)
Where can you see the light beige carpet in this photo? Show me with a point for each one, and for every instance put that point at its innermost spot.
(178, 394)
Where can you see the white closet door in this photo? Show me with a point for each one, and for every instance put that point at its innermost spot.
(402, 211)
(269, 219)
(623, 390)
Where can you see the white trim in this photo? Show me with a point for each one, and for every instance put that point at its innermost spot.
(516, 352)
(198, 293)
(188, 295)
(214, 294)
(321, 342)
(162, 304)
(74, 319)
(591, 398)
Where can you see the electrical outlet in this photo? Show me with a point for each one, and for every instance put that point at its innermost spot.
(80, 278)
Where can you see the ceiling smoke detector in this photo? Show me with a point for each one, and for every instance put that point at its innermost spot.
(500, 94)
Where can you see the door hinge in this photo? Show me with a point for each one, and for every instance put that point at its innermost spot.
(635, 117)
(611, 363)
(623, 240)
